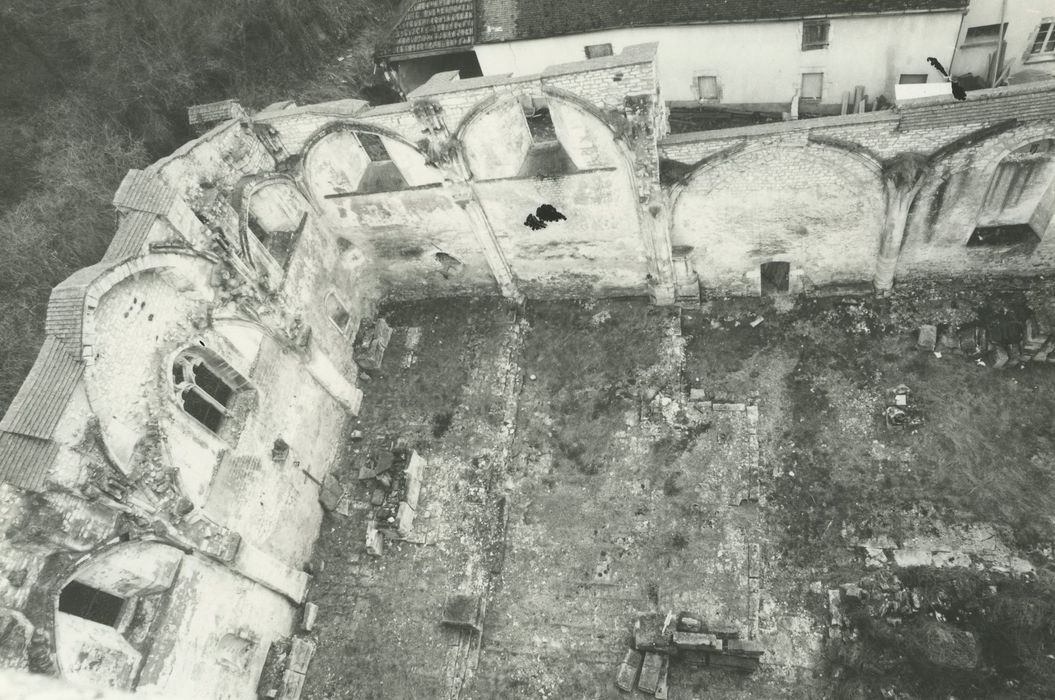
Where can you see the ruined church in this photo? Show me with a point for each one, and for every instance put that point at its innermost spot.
(162, 466)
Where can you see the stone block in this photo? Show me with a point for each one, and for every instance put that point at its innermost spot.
(301, 649)
(375, 540)
(652, 668)
(928, 337)
(405, 520)
(912, 557)
(697, 394)
(744, 647)
(292, 686)
(626, 677)
(695, 641)
(308, 617)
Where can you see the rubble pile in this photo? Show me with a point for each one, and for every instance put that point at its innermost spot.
(394, 477)
(686, 638)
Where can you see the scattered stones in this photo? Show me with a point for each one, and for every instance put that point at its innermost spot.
(944, 646)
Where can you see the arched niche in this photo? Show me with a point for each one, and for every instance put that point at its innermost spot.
(812, 214)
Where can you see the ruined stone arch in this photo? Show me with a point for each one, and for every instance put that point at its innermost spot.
(409, 161)
(587, 137)
(242, 198)
(817, 207)
(953, 198)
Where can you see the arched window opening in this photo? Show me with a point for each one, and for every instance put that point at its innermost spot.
(1010, 212)
(546, 156)
(382, 174)
(206, 386)
(337, 312)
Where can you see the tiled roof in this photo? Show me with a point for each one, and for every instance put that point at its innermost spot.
(26, 448)
(65, 318)
(143, 191)
(131, 234)
(38, 405)
(505, 20)
(214, 112)
(432, 25)
(24, 461)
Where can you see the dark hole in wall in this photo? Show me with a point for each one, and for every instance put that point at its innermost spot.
(90, 603)
(1008, 235)
(775, 277)
(374, 146)
(202, 411)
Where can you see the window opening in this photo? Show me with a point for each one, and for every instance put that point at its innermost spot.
(815, 35)
(1044, 41)
(812, 85)
(90, 603)
(775, 277)
(598, 50)
(707, 87)
(374, 146)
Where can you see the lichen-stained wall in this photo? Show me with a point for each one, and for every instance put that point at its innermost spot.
(597, 250)
(207, 603)
(497, 140)
(142, 321)
(953, 202)
(820, 209)
(420, 243)
(93, 654)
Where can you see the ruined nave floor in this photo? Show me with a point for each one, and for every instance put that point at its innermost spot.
(618, 504)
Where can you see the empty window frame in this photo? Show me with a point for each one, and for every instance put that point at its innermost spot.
(776, 278)
(707, 88)
(374, 146)
(337, 312)
(912, 79)
(983, 35)
(200, 390)
(1017, 174)
(90, 603)
(598, 50)
(815, 34)
(1044, 40)
(540, 125)
(812, 86)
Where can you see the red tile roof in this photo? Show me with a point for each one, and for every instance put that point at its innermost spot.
(436, 26)
(442, 26)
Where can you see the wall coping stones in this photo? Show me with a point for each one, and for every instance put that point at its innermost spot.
(781, 127)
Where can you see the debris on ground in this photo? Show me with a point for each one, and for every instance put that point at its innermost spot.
(371, 344)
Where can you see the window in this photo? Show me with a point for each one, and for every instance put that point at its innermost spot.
(374, 146)
(90, 603)
(540, 124)
(707, 88)
(812, 84)
(598, 50)
(815, 35)
(984, 34)
(1044, 41)
(205, 387)
(337, 312)
(912, 78)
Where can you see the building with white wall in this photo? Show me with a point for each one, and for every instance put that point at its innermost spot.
(746, 53)
(1027, 53)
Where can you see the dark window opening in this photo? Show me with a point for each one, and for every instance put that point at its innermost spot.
(815, 35)
(205, 387)
(707, 88)
(202, 410)
(374, 146)
(90, 603)
(257, 230)
(912, 79)
(540, 124)
(213, 385)
(1014, 234)
(983, 34)
(337, 312)
(598, 50)
(775, 278)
